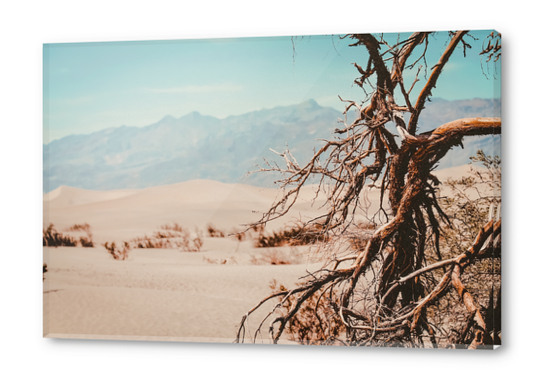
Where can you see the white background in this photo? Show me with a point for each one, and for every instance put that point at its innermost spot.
(25, 26)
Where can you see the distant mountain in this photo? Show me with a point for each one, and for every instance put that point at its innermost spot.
(204, 147)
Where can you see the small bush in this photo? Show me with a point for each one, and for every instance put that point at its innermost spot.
(214, 232)
(52, 238)
(239, 236)
(316, 322)
(173, 227)
(274, 257)
(146, 242)
(197, 241)
(84, 241)
(165, 234)
(44, 270)
(170, 237)
(257, 228)
(80, 227)
(119, 254)
(295, 236)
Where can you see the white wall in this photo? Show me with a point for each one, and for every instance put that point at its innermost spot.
(26, 25)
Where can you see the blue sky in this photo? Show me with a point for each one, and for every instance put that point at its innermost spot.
(93, 86)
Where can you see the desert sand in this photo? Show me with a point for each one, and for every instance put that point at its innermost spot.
(167, 294)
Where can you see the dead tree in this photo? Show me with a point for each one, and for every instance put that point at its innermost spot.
(392, 286)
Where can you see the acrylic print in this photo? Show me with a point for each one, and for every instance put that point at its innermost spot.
(309, 190)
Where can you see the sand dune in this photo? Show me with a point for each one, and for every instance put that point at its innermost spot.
(166, 294)
(159, 294)
(128, 213)
(125, 214)
(65, 196)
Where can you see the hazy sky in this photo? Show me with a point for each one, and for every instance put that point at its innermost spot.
(93, 86)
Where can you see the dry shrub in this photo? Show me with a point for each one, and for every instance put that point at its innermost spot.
(214, 232)
(119, 254)
(239, 235)
(295, 236)
(471, 202)
(316, 322)
(173, 227)
(165, 234)
(275, 257)
(51, 237)
(170, 237)
(147, 242)
(258, 228)
(85, 241)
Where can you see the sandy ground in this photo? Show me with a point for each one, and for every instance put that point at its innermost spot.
(155, 294)
(166, 294)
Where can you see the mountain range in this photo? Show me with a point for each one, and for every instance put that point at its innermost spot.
(195, 146)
